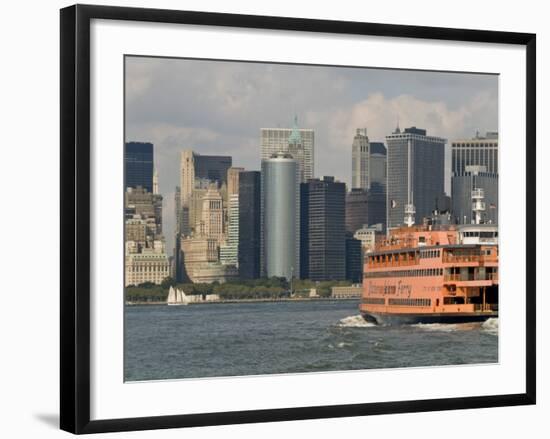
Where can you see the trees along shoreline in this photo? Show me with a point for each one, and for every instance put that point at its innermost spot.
(264, 288)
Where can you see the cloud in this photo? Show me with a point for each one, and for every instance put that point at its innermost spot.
(218, 107)
(380, 116)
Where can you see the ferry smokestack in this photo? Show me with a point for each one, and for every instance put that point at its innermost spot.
(409, 214)
(478, 205)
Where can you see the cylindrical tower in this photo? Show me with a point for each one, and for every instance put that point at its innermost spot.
(281, 216)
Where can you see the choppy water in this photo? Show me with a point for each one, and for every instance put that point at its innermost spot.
(167, 342)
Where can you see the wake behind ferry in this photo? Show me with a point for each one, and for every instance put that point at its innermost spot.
(433, 273)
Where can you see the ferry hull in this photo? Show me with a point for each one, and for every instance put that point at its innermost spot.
(408, 319)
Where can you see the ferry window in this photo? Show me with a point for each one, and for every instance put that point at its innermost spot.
(453, 300)
(421, 239)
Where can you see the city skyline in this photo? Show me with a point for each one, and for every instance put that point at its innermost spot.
(219, 107)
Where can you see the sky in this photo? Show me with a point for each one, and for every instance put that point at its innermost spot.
(218, 107)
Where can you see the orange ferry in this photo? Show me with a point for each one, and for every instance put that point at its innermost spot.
(432, 274)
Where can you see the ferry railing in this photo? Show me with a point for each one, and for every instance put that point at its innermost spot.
(469, 277)
(461, 258)
(486, 307)
(403, 263)
(469, 258)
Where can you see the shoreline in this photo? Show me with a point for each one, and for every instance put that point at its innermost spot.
(211, 302)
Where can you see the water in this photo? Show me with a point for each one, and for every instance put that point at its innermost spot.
(167, 342)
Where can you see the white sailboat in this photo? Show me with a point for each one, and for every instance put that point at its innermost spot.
(176, 297)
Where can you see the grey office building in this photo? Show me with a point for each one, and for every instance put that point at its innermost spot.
(280, 206)
(377, 164)
(479, 151)
(354, 259)
(322, 234)
(475, 165)
(249, 224)
(474, 177)
(366, 207)
(138, 165)
(356, 209)
(376, 204)
(415, 166)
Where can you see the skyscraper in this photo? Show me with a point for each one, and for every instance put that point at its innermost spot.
(376, 204)
(298, 142)
(415, 166)
(138, 201)
(322, 234)
(178, 231)
(354, 259)
(195, 167)
(463, 184)
(211, 223)
(366, 206)
(475, 166)
(197, 173)
(377, 164)
(356, 209)
(280, 216)
(233, 180)
(479, 151)
(360, 160)
(229, 251)
(138, 165)
(249, 224)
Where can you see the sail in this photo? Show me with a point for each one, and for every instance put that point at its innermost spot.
(171, 295)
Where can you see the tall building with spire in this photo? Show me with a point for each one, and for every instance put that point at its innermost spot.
(360, 160)
(368, 161)
(299, 142)
(155, 182)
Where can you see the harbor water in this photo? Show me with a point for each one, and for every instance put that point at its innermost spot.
(234, 339)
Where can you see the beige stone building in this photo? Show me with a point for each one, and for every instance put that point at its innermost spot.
(145, 253)
(140, 203)
(148, 265)
(212, 215)
(213, 272)
(233, 181)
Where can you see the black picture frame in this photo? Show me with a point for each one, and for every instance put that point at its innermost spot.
(75, 217)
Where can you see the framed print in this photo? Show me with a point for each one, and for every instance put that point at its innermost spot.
(275, 218)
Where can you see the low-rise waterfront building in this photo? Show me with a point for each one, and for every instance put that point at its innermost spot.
(347, 292)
